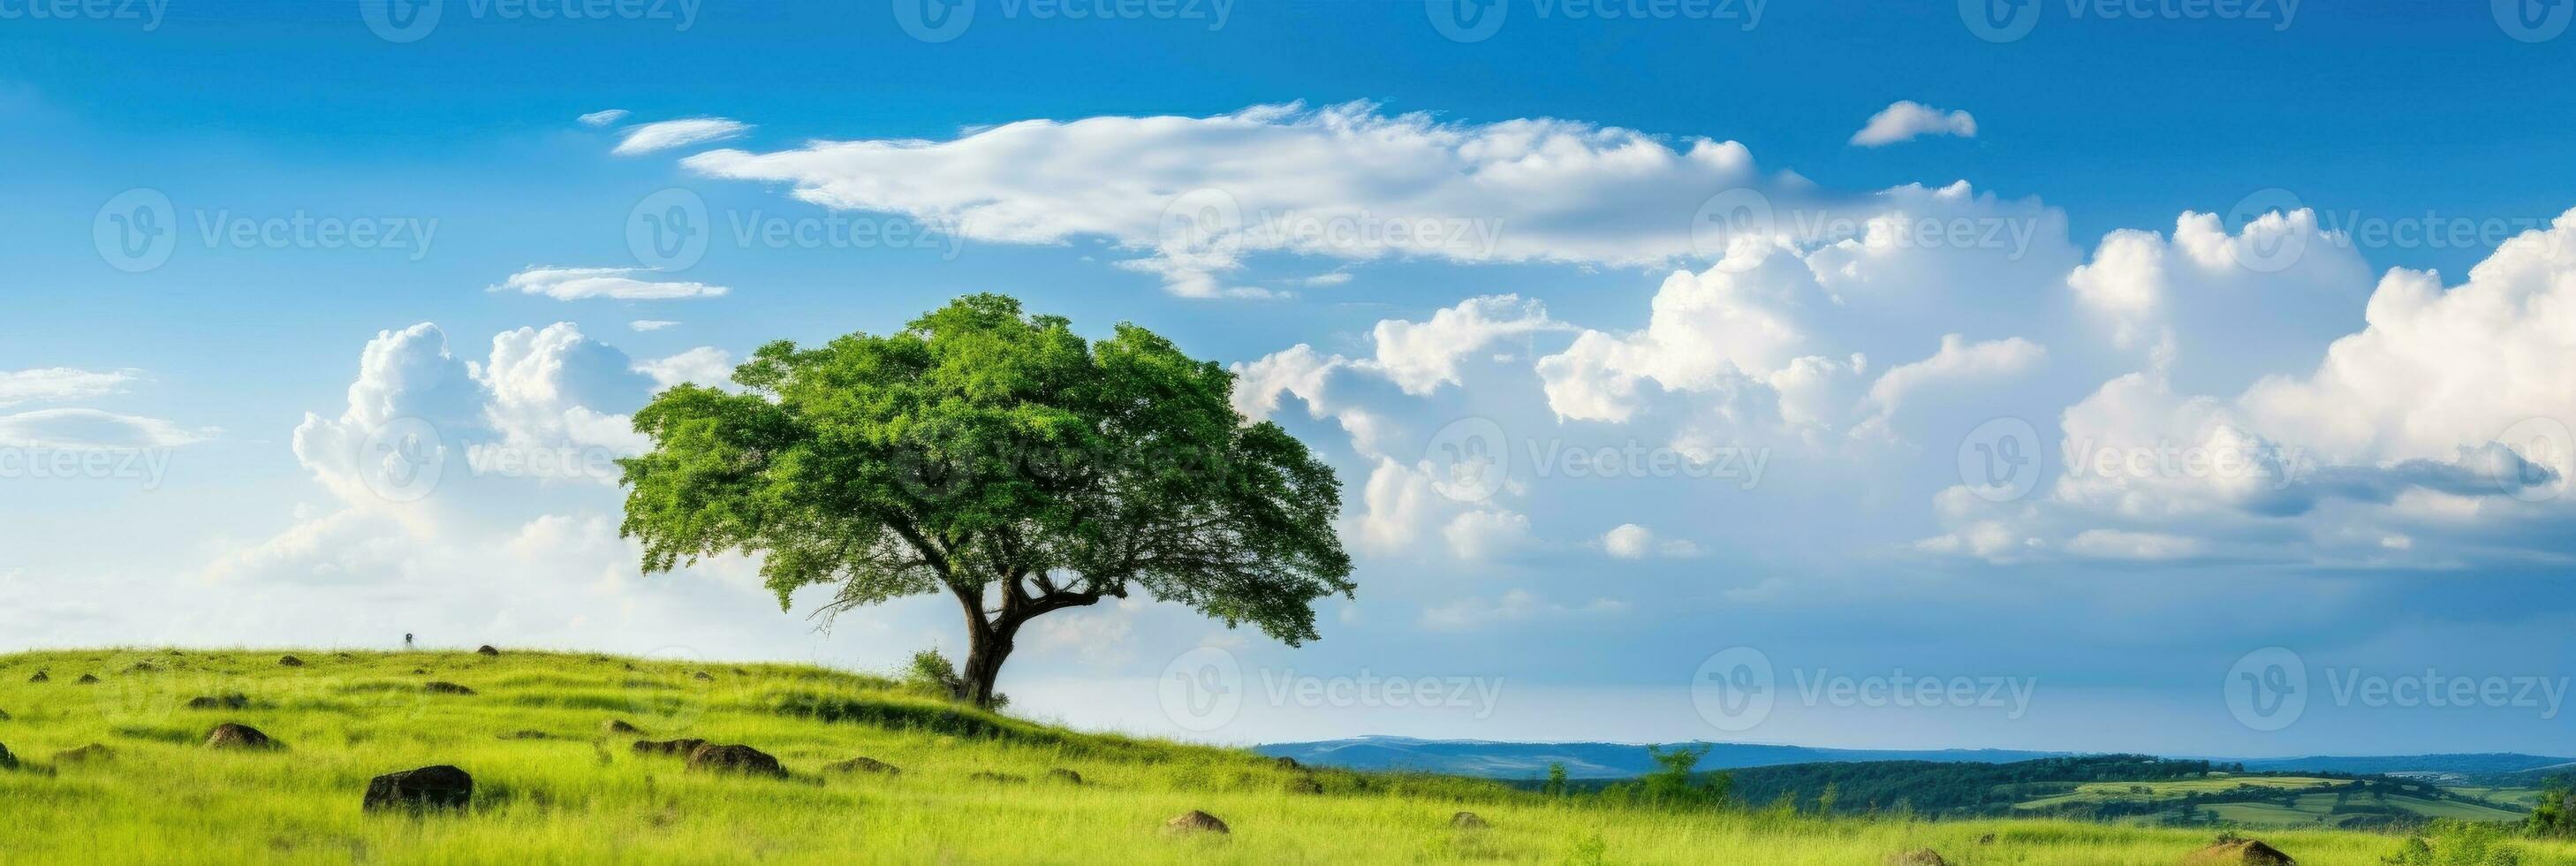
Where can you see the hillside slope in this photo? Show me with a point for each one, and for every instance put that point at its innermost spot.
(552, 785)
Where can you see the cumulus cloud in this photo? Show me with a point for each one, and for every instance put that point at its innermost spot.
(1957, 362)
(625, 284)
(668, 134)
(704, 365)
(1631, 541)
(60, 385)
(1344, 182)
(1905, 120)
(1419, 357)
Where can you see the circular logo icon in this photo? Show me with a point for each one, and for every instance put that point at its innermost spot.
(2548, 453)
(1728, 218)
(1202, 690)
(934, 20)
(401, 21)
(1467, 20)
(2267, 689)
(2267, 253)
(1202, 229)
(668, 230)
(403, 460)
(1999, 20)
(136, 230)
(1470, 459)
(1733, 689)
(2534, 20)
(1999, 460)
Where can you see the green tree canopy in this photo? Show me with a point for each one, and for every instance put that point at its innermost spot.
(998, 457)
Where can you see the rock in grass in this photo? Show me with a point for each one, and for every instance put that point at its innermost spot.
(1287, 763)
(445, 688)
(1195, 821)
(990, 776)
(2249, 852)
(1061, 774)
(864, 765)
(290, 662)
(86, 680)
(40, 677)
(7, 761)
(232, 701)
(1305, 785)
(614, 727)
(230, 735)
(742, 760)
(681, 748)
(1467, 821)
(144, 667)
(1987, 839)
(93, 752)
(486, 649)
(527, 735)
(703, 676)
(1917, 857)
(421, 790)
(4, 715)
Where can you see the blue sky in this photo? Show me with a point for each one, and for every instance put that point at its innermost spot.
(2399, 524)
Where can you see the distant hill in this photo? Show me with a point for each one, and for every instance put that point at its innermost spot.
(1517, 761)
(1495, 760)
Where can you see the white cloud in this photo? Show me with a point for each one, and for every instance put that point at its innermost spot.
(60, 385)
(1957, 362)
(604, 117)
(1345, 182)
(93, 430)
(2123, 544)
(1905, 119)
(1514, 606)
(1419, 357)
(1486, 534)
(645, 326)
(1631, 541)
(626, 284)
(704, 365)
(668, 134)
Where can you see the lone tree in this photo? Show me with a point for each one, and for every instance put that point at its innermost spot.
(998, 457)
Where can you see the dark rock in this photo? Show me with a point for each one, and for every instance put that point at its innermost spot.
(1287, 763)
(864, 765)
(1467, 821)
(989, 776)
(290, 661)
(2232, 852)
(744, 760)
(527, 735)
(703, 676)
(7, 761)
(678, 748)
(1305, 785)
(486, 649)
(445, 688)
(421, 790)
(420, 671)
(1195, 822)
(1987, 839)
(86, 680)
(40, 677)
(1917, 857)
(1061, 774)
(236, 736)
(233, 701)
(143, 668)
(4, 715)
(85, 754)
(614, 727)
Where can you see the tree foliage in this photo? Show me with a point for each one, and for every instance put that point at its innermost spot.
(998, 457)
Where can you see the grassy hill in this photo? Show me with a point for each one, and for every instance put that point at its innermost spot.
(552, 785)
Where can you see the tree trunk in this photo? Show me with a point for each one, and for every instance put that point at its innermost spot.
(987, 646)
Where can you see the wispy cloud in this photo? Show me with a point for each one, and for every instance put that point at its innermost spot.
(625, 284)
(60, 385)
(1905, 120)
(667, 134)
(603, 118)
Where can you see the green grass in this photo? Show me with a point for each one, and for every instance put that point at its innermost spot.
(2312, 810)
(581, 797)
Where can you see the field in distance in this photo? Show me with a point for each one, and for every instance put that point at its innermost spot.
(119, 769)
